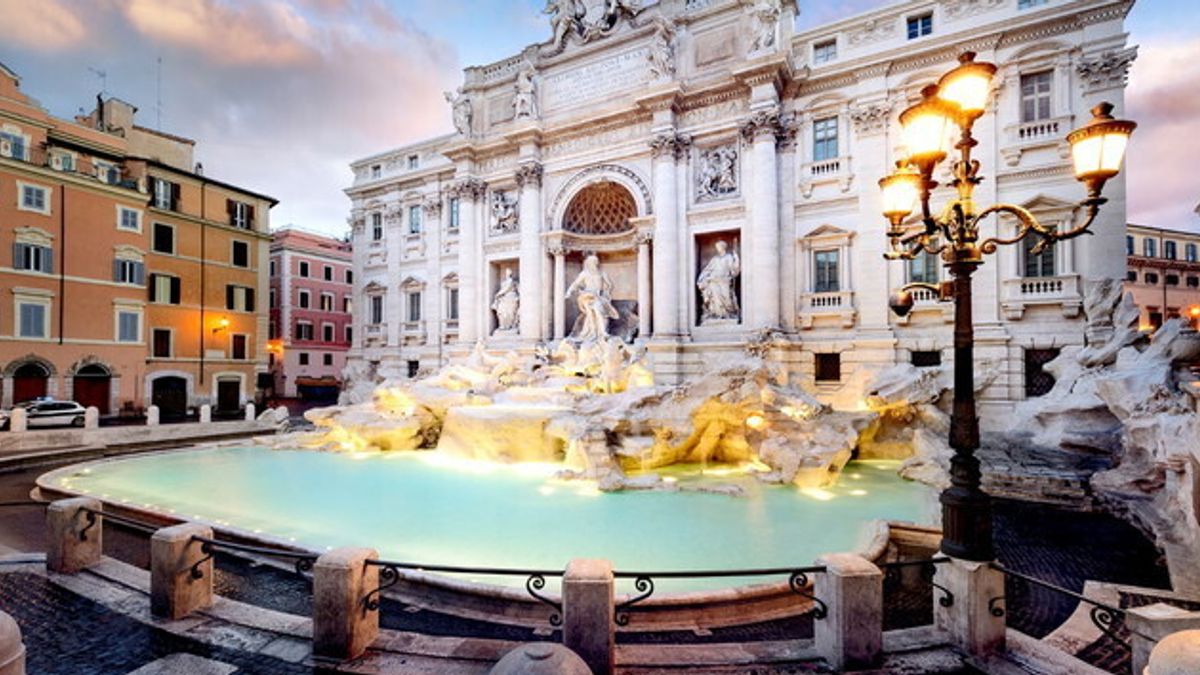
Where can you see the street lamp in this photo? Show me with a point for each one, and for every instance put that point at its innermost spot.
(954, 104)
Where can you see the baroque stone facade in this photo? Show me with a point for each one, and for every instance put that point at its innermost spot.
(647, 133)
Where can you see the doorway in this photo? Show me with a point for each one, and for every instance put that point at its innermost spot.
(92, 387)
(169, 393)
(30, 381)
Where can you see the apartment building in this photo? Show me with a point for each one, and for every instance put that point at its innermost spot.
(1163, 274)
(310, 310)
(134, 277)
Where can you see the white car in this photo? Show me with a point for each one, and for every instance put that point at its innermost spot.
(49, 413)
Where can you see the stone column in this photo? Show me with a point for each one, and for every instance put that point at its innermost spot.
(547, 299)
(469, 192)
(644, 287)
(588, 627)
(529, 181)
(434, 297)
(66, 519)
(560, 292)
(666, 148)
(851, 634)
(343, 627)
(175, 591)
(970, 621)
(762, 306)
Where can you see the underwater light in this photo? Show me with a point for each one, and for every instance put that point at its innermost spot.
(756, 421)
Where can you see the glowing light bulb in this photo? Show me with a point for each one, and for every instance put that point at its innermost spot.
(756, 421)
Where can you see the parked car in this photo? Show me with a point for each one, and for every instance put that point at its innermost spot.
(48, 413)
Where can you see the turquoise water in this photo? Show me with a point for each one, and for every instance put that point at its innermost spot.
(420, 507)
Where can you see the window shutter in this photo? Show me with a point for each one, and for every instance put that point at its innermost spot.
(18, 256)
(249, 300)
(229, 297)
(249, 217)
(174, 196)
(152, 286)
(139, 273)
(175, 291)
(116, 270)
(230, 210)
(48, 257)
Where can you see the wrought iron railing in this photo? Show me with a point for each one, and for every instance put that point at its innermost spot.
(302, 560)
(90, 516)
(928, 567)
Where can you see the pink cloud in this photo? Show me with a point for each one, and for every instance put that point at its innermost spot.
(45, 25)
(260, 33)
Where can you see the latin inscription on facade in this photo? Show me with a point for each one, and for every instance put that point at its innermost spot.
(596, 80)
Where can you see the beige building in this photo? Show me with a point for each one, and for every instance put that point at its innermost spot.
(1164, 274)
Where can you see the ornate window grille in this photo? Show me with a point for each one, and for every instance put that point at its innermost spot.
(603, 208)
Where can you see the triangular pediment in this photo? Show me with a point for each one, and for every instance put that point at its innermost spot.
(827, 231)
(1048, 203)
(374, 287)
(411, 281)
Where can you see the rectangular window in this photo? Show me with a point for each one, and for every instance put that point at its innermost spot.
(129, 326)
(1026, 4)
(414, 161)
(240, 256)
(1149, 247)
(825, 139)
(828, 367)
(1171, 280)
(1151, 278)
(923, 269)
(129, 272)
(328, 273)
(35, 198)
(1037, 381)
(1128, 244)
(1189, 252)
(304, 330)
(1035, 96)
(376, 309)
(161, 337)
(16, 143)
(164, 289)
(926, 359)
(327, 330)
(327, 302)
(237, 347)
(106, 172)
(239, 298)
(824, 52)
(33, 258)
(454, 214)
(349, 276)
(304, 358)
(1193, 282)
(347, 304)
(327, 359)
(376, 170)
(920, 26)
(271, 268)
(1037, 265)
(825, 268)
(303, 267)
(414, 220)
(377, 226)
(303, 300)
(165, 194)
(241, 214)
(414, 306)
(349, 334)
(129, 219)
(414, 367)
(452, 304)
(1169, 250)
(32, 320)
(164, 239)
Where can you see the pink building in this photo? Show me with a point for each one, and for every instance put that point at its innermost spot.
(309, 330)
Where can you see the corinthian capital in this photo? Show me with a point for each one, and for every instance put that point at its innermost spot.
(432, 205)
(761, 123)
(669, 144)
(529, 174)
(469, 189)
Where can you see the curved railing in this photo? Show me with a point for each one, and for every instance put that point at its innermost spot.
(928, 567)
(303, 561)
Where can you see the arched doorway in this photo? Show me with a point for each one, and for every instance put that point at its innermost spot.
(169, 393)
(30, 380)
(93, 386)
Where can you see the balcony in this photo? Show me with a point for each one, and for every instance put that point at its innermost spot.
(375, 333)
(412, 332)
(836, 305)
(1022, 293)
(1027, 136)
(834, 170)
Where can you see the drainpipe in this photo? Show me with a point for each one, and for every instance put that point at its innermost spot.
(62, 268)
(203, 259)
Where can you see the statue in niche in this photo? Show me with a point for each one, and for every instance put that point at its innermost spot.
(524, 98)
(764, 15)
(662, 50)
(566, 17)
(460, 106)
(716, 282)
(593, 289)
(717, 173)
(506, 304)
(504, 210)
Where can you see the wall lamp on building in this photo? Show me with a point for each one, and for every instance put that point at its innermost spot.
(949, 108)
(222, 324)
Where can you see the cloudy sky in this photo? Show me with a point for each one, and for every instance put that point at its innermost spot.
(282, 94)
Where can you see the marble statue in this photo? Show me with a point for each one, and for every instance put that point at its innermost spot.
(504, 210)
(615, 9)
(593, 289)
(506, 304)
(764, 24)
(716, 285)
(460, 106)
(662, 50)
(716, 175)
(566, 17)
(525, 96)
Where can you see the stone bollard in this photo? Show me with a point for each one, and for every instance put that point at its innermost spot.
(12, 649)
(540, 658)
(205, 414)
(1150, 624)
(152, 416)
(1176, 654)
(17, 421)
(72, 541)
(343, 626)
(588, 628)
(969, 620)
(91, 417)
(249, 412)
(175, 591)
(851, 634)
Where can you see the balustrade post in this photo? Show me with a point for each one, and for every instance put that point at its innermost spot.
(181, 571)
(970, 620)
(205, 414)
(851, 633)
(588, 620)
(343, 626)
(74, 535)
(91, 417)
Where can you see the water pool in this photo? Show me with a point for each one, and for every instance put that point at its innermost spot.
(420, 507)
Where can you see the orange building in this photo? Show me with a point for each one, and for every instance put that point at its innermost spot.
(134, 278)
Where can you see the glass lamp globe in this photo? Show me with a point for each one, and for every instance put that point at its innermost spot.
(900, 191)
(968, 85)
(1098, 147)
(925, 127)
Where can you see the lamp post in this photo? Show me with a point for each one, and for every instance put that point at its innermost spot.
(953, 105)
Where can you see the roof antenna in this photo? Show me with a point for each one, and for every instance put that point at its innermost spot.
(158, 95)
(103, 75)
